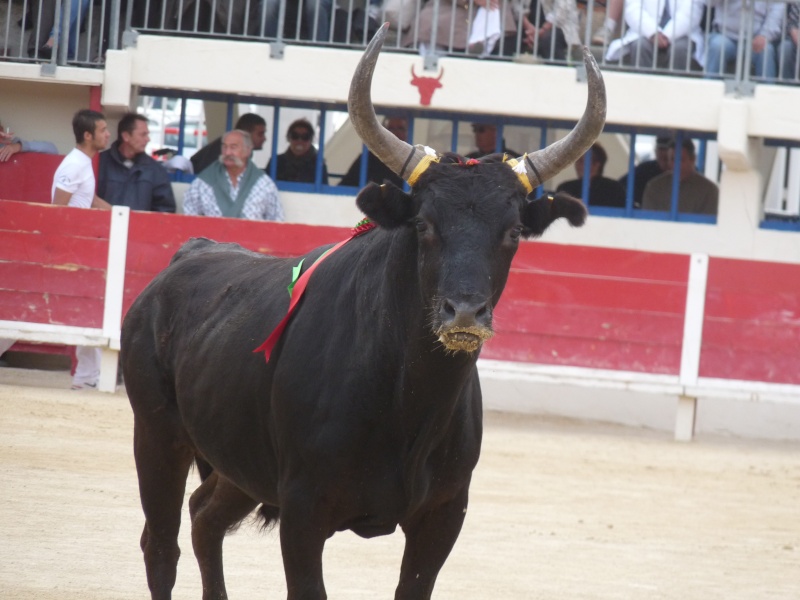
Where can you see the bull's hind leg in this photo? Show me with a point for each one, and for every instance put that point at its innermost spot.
(162, 463)
(216, 507)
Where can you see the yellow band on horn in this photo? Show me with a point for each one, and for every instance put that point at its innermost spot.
(421, 167)
(521, 174)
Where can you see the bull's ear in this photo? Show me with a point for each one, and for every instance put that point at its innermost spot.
(539, 214)
(386, 204)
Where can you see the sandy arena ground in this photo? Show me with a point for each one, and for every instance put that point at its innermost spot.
(559, 510)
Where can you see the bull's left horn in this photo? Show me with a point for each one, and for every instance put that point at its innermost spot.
(547, 162)
(401, 157)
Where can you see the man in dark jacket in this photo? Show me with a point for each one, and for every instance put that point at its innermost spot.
(377, 172)
(128, 177)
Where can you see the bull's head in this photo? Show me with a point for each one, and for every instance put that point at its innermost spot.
(467, 216)
(426, 86)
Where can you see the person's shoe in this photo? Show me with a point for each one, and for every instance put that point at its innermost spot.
(84, 386)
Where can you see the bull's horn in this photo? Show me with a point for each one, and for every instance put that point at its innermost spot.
(547, 162)
(401, 157)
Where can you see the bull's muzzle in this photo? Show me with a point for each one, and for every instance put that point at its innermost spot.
(464, 326)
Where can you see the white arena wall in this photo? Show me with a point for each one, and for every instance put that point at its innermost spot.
(41, 107)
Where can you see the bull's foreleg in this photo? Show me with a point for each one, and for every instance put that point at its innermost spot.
(303, 532)
(429, 540)
(215, 507)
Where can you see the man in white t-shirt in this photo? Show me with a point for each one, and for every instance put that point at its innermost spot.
(74, 185)
(73, 182)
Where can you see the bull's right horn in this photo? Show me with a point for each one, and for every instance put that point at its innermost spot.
(401, 157)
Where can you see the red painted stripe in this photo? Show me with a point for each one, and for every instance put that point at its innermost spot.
(583, 352)
(602, 262)
(56, 250)
(47, 219)
(751, 329)
(68, 280)
(600, 324)
(588, 290)
(28, 177)
(51, 308)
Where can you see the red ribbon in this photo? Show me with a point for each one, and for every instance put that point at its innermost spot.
(300, 287)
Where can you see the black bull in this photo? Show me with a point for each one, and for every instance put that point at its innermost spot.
(368, 413)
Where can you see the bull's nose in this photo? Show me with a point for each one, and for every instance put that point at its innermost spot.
(454, 313)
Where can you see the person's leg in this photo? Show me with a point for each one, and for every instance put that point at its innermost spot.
(678, 56)
(766, 62)
(43, 17)
(721, 51)
(319, 12)
(788, 60)
(270, 9)
(77, 13)
(87, 372)
(605, 33)
(640, 54)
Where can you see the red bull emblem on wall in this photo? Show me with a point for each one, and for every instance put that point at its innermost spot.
(426, 85)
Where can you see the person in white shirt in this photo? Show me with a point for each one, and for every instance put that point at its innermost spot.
(74, 185)
(234, 186)
(660, 34)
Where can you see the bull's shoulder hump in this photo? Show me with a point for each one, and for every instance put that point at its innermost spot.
(203, 245)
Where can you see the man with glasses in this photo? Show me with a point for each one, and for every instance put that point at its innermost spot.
(299, 162)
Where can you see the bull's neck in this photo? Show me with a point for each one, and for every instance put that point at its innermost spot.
(429, 370)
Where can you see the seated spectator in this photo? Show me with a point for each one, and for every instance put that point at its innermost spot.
(663, 39)
(550, 27)
(315, 22)
(252, 123)
(603, 191)
(377, 172)
(645, 171)
(11, 145)
(486, 141)
(204, 16)
(696, 194)
(234, 186)
(76, 16)
(128, 176)
(452, 28)
(605, 33)
(790, 45)
(299, 162)
(724, 38)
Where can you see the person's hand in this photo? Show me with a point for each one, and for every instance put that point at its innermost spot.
(9, 150)
(660, 40)
(759, 43)
(546, 28)
(5, 138)
(794, 35)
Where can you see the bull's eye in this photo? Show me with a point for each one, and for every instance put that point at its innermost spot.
(421, 225)
(515, 233)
